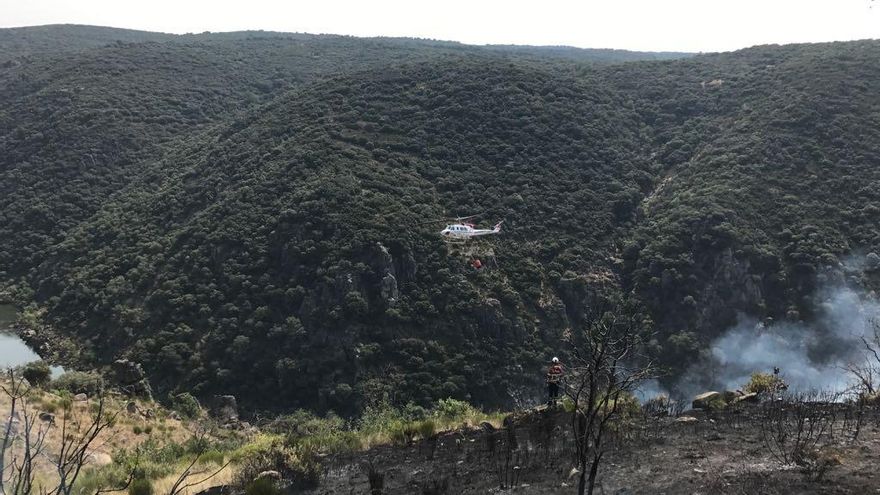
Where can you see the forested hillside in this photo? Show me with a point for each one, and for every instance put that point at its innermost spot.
(65, 88)
(257, 214)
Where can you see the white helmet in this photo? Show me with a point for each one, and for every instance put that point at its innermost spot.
(555, 360)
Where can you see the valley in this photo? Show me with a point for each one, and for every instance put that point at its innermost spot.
(253, 219)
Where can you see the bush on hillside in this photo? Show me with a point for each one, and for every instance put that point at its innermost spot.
(37, 373)
(262, 486)
(187, 405)
(298, 465)
(79, 382)
(761, 383)
(140, 486)
(453, 409)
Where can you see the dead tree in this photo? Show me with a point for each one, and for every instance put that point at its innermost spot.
(77, 440)
(185, 480)
(606, 368)
(794, 425)
(867, 371)
(21, 467)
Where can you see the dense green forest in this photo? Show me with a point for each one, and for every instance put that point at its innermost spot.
(257, 213)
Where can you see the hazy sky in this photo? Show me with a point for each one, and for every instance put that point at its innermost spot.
(679, 25)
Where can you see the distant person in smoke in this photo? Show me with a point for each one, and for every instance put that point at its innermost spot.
(554, 379)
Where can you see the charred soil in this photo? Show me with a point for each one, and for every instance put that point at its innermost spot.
(756, 449)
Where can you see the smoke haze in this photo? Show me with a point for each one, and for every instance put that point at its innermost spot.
(810, 356)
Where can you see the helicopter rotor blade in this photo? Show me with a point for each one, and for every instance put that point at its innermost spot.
(461, 219)
(447, 219)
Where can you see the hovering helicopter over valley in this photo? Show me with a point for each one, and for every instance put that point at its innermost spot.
(462, 230)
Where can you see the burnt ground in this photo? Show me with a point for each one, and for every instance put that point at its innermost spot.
(731, 452)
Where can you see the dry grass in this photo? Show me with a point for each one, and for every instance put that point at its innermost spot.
(120, 435)
(224, 477)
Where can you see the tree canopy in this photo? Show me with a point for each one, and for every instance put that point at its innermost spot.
(249, 213)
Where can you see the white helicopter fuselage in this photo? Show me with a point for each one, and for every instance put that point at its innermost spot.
(466, 231)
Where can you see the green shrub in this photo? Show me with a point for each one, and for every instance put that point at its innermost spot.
(302, 466)
(414, 412)
(764, 383)
(49, 407)
(262, 486)
(37, 373)
(187, 405)
(94, 479)
(328, 442)
(402, 432)
(453, 409)
(309, 433)
(379, 418)
(137, 429)
(148, 429)
(426, 428)
(628, 405)
(140, 486)
(78, 382)
(212, 457)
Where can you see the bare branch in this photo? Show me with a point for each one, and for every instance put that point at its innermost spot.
(605, 367)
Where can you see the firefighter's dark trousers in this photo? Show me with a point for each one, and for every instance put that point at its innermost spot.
(553, 393)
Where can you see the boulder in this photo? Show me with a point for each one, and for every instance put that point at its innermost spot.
(272, 475)
(225, 409)
(388, 289)
(98, 459)
(381, 261)
(80, 398)
(750, 398)
(703, 400)
(131, 379)
(127, 372)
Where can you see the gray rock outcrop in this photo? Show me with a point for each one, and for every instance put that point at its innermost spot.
(131, 379)
(225, 409)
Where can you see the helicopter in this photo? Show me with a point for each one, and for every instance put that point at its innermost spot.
(462, 230)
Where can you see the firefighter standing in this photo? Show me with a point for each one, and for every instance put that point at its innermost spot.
(554, 379)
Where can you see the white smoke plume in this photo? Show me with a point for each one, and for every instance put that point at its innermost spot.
(810, 356)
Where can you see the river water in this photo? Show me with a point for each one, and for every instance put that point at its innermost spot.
(14, 352)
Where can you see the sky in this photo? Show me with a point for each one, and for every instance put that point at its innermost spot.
(649, 25)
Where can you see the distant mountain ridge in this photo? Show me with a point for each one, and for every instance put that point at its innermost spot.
(51, 38)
